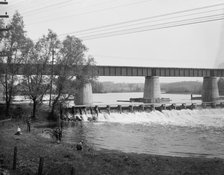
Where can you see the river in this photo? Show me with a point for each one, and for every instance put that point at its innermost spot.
(194, 133)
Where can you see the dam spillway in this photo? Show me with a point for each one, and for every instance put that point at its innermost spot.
(185, 132)
(174, 132)
(93, 112)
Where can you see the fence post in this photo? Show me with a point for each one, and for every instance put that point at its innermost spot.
(72, 171)
(14, 158)
(41, 163)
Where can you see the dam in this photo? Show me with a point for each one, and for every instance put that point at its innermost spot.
(181, 132)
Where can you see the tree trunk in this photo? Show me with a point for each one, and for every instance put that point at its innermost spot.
(7, 108)
(34, 108)
(52, 114)
(52, 109)
(7, 102)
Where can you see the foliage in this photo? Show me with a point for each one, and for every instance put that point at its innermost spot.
(191, 87)
(12, 42)
(35, 82)
(221, 86)
(122, 87)
(1, 26)
(73, 70)
(97, 87)
(176, 87)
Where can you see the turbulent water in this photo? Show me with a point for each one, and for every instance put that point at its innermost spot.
(185, 117)
(176, 132)
(198, 132)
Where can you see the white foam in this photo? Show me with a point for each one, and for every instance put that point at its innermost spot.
(186, 117)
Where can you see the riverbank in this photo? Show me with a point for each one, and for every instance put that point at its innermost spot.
(60, 158)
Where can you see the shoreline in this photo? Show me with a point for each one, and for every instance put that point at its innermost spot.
(60, 158)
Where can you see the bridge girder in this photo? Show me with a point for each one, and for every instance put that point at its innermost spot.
(158, 71)
(122, 70)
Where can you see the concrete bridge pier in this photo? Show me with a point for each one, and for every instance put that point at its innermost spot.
(152, 89)
(85, 95)
(210, 91)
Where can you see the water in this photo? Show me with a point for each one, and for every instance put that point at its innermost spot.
(194, 133)
(112, 98)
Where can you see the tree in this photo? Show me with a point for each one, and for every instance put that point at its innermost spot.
(221, 86)
(74, 70)
(1, 37)
(53, 48)
(97, 87)
(1, 26)
(12, 42)
(35, 82)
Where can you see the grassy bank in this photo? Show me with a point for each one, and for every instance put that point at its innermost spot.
(60, 158)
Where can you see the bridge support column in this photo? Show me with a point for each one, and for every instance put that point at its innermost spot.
(152, 89)
(84, 96)
(210, 91)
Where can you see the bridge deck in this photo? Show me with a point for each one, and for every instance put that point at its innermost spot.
(127, 71)
(158, 71)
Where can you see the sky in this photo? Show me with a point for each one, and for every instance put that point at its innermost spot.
(145, 36)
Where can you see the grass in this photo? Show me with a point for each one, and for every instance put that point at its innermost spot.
(60, 158)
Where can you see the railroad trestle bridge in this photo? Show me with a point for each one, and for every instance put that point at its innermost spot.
(210, 91)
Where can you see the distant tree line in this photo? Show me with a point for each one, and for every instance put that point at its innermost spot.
(189, 87)
(177, 87)
(47, 50)
(105, 87)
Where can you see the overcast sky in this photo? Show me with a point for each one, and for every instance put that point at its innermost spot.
(194, 43)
